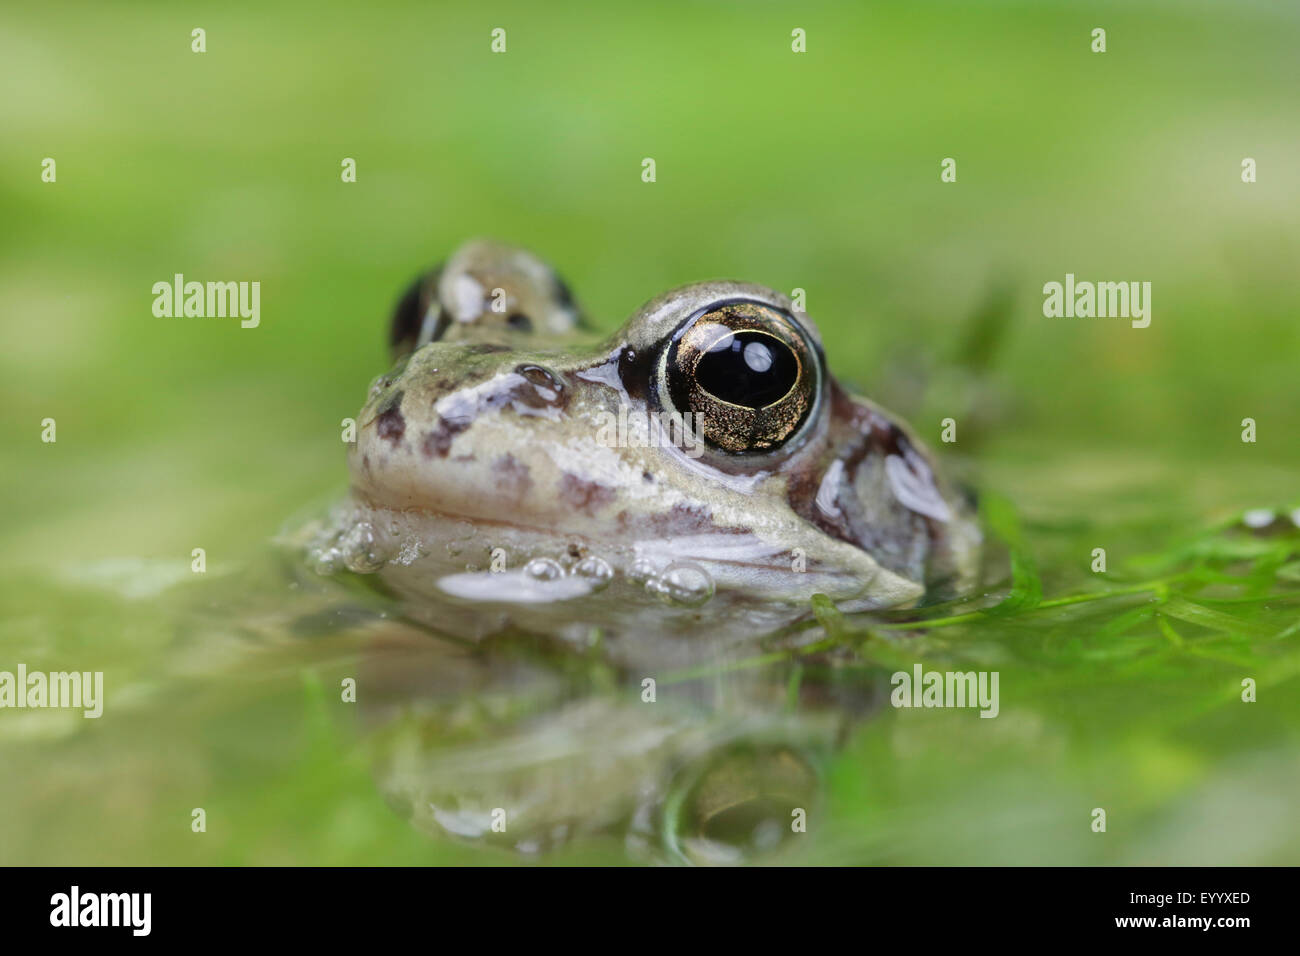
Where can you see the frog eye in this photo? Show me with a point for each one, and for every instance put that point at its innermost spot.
(747, 372)
(417, 318)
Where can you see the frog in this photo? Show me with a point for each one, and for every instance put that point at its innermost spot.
(700, 472)
(548, 528)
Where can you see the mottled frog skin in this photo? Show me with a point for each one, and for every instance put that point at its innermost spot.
(506, 475)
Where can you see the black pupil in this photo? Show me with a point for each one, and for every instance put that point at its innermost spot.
(747, 368)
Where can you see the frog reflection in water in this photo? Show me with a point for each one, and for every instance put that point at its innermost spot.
(681, 489)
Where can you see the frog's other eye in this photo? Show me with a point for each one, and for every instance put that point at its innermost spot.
(417, 318)
(747, 372)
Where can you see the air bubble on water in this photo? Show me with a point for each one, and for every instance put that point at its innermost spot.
(643, 571)
(543, 569)
(687, 585)
(1258, 518)
(361, 550)
(595, 571)
(326, 560)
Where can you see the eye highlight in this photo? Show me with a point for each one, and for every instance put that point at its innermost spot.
(746, 371)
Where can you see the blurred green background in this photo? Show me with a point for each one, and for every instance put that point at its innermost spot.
(817, 170)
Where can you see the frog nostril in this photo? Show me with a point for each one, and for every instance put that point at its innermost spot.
(519, 322)
(540, 377)
(544, 388)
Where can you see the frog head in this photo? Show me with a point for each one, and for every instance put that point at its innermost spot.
(699, 466)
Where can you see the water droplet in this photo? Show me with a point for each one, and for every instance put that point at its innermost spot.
(361, 550)
(642, 571)
(687, 585)
(325, 560)
(595, 571)
(543, 569)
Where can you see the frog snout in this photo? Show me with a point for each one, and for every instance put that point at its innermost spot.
(462, 429)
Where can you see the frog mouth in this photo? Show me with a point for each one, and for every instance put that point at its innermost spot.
(503, 561)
